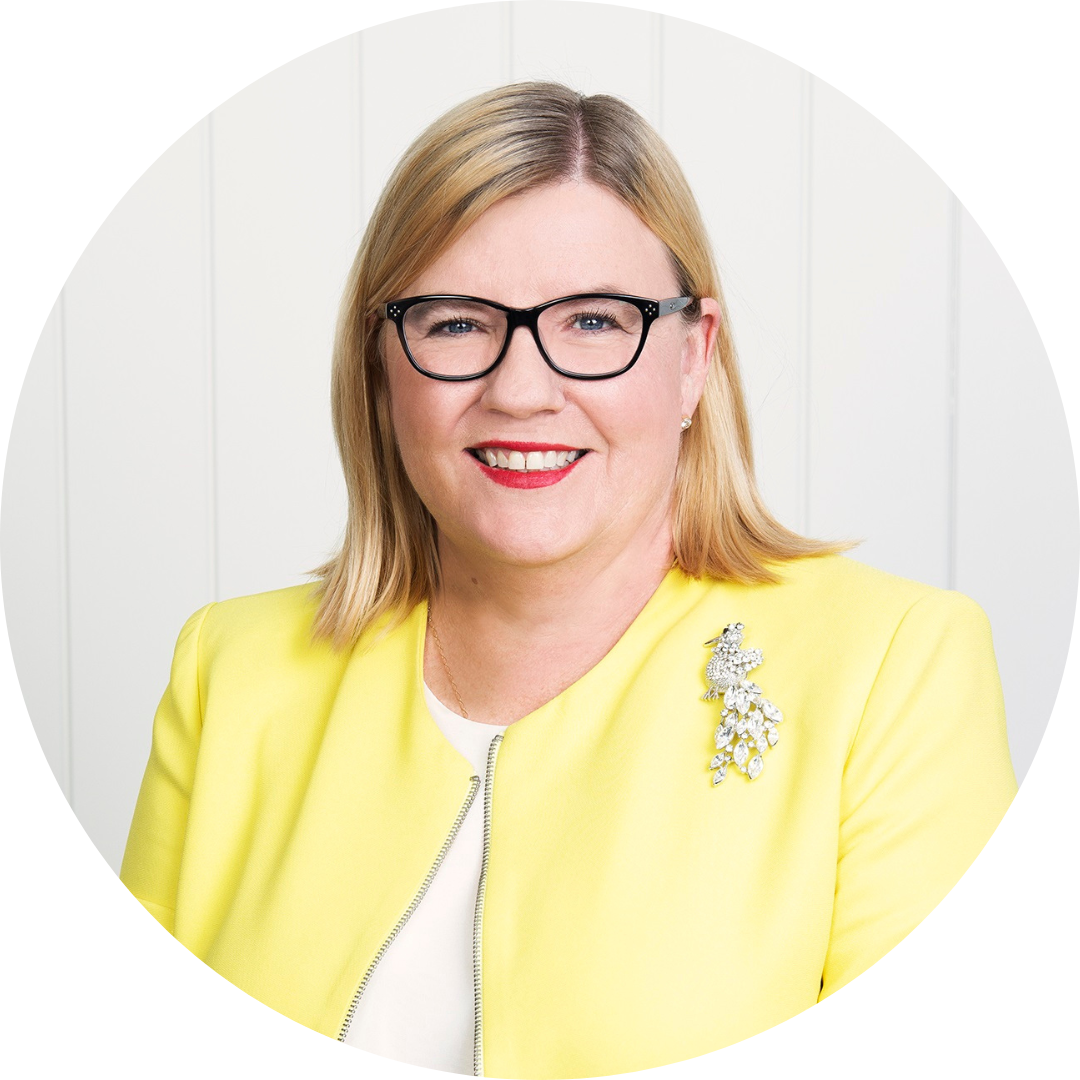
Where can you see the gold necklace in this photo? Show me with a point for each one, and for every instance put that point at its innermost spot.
(446, 666)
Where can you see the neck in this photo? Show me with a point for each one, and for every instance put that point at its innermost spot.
(567, 615)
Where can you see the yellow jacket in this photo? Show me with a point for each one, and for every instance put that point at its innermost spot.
(634, 913)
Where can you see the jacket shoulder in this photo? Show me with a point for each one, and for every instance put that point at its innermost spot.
(267, 629)
(834, 603)
(837, 584)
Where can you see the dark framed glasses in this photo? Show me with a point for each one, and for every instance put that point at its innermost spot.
(584, 336)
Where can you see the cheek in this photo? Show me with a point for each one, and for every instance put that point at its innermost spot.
(411, 398)
(647, 413)
(645, 438)
(408, 407)
(425, 415)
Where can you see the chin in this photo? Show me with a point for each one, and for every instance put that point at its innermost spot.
(518, 545)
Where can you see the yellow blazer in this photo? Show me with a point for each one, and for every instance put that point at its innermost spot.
(634, 914)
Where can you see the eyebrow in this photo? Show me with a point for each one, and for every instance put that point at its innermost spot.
(607, 288)
(603, 287)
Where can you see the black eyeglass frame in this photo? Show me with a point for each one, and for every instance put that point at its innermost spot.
(651, 310)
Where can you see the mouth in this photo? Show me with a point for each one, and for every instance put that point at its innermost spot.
(526, 457)
(526, 465)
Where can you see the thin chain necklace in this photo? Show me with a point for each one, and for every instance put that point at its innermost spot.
(446, 666)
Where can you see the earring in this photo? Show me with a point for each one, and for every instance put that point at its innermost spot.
(686, 422)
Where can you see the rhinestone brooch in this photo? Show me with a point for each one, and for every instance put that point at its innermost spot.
(747, 720)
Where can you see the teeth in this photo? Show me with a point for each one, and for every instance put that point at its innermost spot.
(533, 461)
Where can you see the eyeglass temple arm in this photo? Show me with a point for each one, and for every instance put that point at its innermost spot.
(669, 307)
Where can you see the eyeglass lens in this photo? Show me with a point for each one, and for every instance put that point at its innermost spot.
(585, 336)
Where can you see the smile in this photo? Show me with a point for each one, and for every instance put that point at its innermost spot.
(526, 465)
(502, 457)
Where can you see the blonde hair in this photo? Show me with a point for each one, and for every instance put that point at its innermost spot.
(501, 143)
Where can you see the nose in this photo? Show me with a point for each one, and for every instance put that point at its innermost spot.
(523, 384)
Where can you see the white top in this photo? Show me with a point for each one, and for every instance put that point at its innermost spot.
(418, 1005)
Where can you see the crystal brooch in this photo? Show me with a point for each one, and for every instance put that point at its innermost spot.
(747, 719)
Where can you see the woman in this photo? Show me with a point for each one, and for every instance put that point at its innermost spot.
(481, 800)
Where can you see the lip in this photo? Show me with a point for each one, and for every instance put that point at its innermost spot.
(541, 478)
(524, 447)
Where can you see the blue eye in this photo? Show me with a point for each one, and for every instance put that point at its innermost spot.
(456, 326)
(592, 321)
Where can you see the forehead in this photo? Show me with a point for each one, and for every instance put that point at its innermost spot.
(553, 241)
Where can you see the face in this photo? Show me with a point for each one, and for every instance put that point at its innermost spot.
(555, 241)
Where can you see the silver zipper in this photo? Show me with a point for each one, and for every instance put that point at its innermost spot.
(474, 785)
(478, 918)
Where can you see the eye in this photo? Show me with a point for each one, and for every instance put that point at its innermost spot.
(448, 320)
(592, 321)
(452, 326)
(588, 321)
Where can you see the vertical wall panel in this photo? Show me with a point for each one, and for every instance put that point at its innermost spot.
(137, 443)
(595, 48)
(879, 343)
(731, 113)
(286, 222)
(1017, 534)
(414, 69)
(32, 548)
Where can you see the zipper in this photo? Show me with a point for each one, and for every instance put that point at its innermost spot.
(478, 918)
(474, 785)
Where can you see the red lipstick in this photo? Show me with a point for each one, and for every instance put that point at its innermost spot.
(513, 478)
(524, 447)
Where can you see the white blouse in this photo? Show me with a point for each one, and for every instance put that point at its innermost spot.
(418, 1004)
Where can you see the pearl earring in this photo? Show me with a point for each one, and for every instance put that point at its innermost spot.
(686, 422)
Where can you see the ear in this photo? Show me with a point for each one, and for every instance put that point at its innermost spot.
(697, 354)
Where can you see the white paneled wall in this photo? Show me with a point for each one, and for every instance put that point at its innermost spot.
(33, 548)
(736, 117)
(284, 188)
(173, 444)
(1015, 508)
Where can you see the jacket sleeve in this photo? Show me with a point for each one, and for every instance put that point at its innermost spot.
(927, 779)
(155, 845)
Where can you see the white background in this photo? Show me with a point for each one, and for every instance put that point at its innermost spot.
(174, 427)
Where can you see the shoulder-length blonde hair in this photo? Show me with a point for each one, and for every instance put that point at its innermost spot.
(503, 143)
